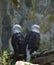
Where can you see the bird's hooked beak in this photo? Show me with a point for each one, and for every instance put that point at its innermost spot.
(35, 28)
(17, 28)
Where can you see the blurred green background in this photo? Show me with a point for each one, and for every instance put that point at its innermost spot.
(26, 13)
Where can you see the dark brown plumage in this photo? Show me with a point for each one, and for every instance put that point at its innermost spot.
(18, 46)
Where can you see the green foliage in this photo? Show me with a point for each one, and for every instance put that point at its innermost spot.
(1, 60)
(28, 3)
(5, 58)
(44, 46)
(15, 2)
(45, 27)
(51, 18)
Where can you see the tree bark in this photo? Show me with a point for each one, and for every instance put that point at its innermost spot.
(44, 58)
(6, 25)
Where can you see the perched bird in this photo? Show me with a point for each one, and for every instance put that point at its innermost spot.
(32, 40)
(18, 43)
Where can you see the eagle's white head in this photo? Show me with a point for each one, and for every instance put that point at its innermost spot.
(17, 28)
(35, 28)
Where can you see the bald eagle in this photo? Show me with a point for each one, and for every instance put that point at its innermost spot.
(32, 40)
(18, 43)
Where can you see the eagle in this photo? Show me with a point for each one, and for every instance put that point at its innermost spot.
(32, 41)
(18, 43)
